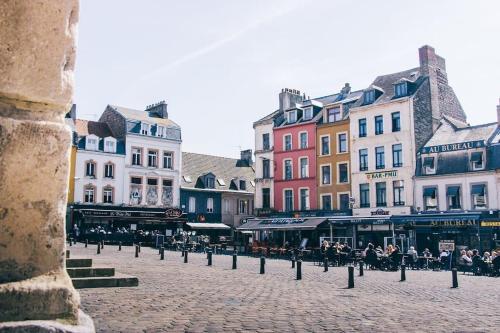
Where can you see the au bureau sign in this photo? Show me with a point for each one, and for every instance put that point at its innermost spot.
(453, 147)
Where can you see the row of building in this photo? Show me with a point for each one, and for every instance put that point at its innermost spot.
(384, 163)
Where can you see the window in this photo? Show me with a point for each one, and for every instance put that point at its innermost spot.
(152, 158)
(342, 143)
(287, 145)
(397, 155)
(136, 156)
(325, 145)
(343, 173)
(303, 140)
(243, 207)
(221, 182)
(135, 190)
(364, 195)
(266, 198)
(308, 113)
(362, 127)
(160, 131)
(379, 125)
(266, 168)
(396, 122)
(210, 205)
(265, 141)
(304, 199)
(107, 195)
(478, 194)
(288, 200)
(326, 202)
(304, 168)
(398, 192)
(430, 198)
(108, 170)
(109, 146)
(334, 114)
(227, 206)
(167, 194)
(152, 191)
(369, 97)
(401, 89)
(89, 194)
(243, 185)
(325, 175)
(363, 159)
(344, 201)
(428, 166)
(380, 192)
(292, 116)
(288, 170)
(168, 160)
(453, 197)
(210, 182)
(192, 205)
(379, 158)
(476, 159)
(90, 169)
(144, 129)
(91, 144)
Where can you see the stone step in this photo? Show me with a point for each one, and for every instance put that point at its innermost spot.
(119, 280)
(80, 272)
(78, 262)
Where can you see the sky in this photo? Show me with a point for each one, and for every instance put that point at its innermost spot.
(221, 64)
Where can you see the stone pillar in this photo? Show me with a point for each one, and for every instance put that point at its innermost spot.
(37, 57)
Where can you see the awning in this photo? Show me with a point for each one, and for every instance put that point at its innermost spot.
(476, 157)
(208, 226)
(477, 189)
(430, 192)
(381, 219)
(282, 224)
(453, 190)
(429, 162)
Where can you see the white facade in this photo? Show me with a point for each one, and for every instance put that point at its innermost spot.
(264, 155)
(99, 173)
(391, 174)
(158, 170)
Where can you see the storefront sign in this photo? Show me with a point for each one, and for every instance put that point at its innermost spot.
(383, 174)
(282, 221)
(490, 224)
(169, 213)
(453, 223)
(453, 147)
(380, 212)
(446, 245)
(173, 213)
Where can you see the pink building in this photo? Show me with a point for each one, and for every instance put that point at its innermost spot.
(295, 185)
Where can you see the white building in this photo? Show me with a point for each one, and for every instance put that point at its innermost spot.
(99, 164)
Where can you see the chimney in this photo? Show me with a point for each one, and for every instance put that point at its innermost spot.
(246, 157)
(289, 98)
(158, 110)
(346, 90)
(498, 112)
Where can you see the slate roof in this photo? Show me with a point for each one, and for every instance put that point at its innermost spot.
(86, 127)
(142, 116)
(196, 165)
(268, 117)
(448, 133)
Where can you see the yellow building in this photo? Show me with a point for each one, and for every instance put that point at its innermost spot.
(71, 185)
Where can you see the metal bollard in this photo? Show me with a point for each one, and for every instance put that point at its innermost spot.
(454, 277)
(186, 257)
(293, 262)
(262, 264)
(86, 242)
(299, 269)
(162, 253)
(119, 246)
(350, 283)
(403, 272)
(209, 258)
(361, 268)
(98, 248)
(67, 254)
(235, 257)
(325, 264)
(137, 251)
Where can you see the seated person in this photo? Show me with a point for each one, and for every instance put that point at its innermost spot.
(371, 256)
(465, 259)
(427, 253)
(496, 264)
(412, 257)
(395, 257)
(478, 262)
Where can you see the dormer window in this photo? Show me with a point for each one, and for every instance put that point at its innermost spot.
(292, 116)
(145, 129)
(429, 166)
(308, 113)
(401, 89)
(160, 131)
(210, 182)
(476, 160)
(92, 143)
(243, 185)
(109, 146)
(369, 97)
(221, 182)
(333, 114)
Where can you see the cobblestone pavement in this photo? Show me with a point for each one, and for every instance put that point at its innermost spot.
(176, 297)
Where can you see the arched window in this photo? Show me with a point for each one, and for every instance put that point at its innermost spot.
(89, 194)
(109, 170)
(90, 168)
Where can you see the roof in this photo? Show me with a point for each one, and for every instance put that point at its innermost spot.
(224, 168)
(269, 117)
(282, 224)
(142, 116)
(97, 128)
(448, 133)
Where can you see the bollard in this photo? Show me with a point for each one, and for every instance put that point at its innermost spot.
(454, 278)
(235, 257)
(262, 264)
(162, 253)
(209, 258)
(186, 257)
(67, 254)
(293, 262)
(361, 264)
(86, 242)
(299, 269)
(98, 248)
(325, 264)
(119, 246)
(351, 277)
(403, 272)
(137, 251)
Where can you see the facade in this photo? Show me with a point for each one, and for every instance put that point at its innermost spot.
(395, 116)
(217, 189)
